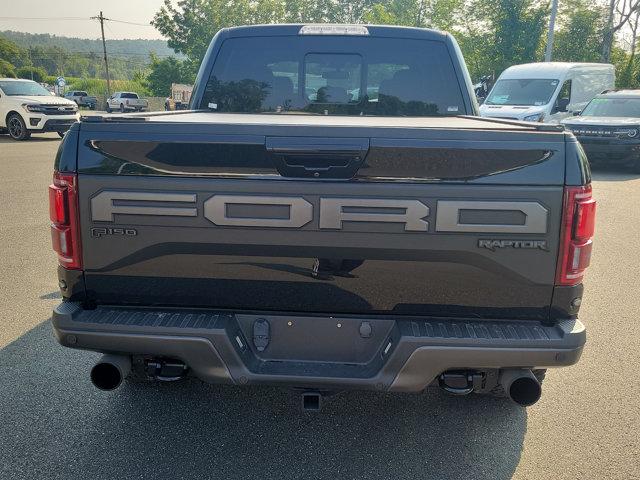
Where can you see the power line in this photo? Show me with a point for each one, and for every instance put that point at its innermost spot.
(130, 23)
(43, 18)
(77, 18)
(96, 52)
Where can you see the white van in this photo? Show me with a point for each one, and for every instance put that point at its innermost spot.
(546, 92)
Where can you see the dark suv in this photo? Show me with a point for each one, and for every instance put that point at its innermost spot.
(609, 129)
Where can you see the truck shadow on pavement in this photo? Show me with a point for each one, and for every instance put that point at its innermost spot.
(35, 138)
(610, 175)
(57, 425)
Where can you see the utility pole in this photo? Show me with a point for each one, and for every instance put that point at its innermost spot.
(30, 61)
(552, 23)
(101, 19)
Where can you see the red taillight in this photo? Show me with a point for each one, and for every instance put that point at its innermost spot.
(63, 211)
(585, 219)
(578, 224)
(57, 204)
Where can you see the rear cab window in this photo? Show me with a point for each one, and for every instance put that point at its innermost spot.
(334, 76)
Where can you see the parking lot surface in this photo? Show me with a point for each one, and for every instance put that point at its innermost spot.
(56, 425)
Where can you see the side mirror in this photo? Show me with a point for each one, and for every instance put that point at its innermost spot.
(562, 104)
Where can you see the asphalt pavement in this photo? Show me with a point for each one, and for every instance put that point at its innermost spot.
(55, 425)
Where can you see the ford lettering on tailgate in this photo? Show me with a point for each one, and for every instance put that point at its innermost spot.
(332, 212)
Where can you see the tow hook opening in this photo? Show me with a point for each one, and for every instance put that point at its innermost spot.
(165, 370)
(460, 382)
(312, 401)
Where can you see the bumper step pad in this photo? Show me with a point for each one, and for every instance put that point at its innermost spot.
(401, 354)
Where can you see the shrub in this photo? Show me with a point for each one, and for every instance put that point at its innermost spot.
(37, 74)
(7, 69)
(98, 86)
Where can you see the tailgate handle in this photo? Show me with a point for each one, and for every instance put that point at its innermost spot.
(300, 157)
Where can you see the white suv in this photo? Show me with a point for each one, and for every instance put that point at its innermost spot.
(26, 107)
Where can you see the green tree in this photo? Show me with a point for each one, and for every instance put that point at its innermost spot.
(438, 14)
(618, 13)
(191, 24)
(11, 52)
(140, 76)
(11, 55)
(347, 11)
(32, 73)
(516, 31)
(626, 68)
(579, 36)
(75, 65)
(165, 72)
(475, 45)
(7, 69)
(306, 11)
(50, 58)
(495, 34)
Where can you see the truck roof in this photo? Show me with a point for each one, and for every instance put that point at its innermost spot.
(623, 93)
(16, 80)
(551, 70)
(373, 30)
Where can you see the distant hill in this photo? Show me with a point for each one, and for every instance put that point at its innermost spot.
(122, 48)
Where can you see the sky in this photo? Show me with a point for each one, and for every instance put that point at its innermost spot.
(43, 16)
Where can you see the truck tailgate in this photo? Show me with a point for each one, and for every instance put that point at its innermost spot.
(441, 217)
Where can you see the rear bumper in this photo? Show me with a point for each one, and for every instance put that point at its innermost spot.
(611, 151)
(135, 108)
(319, 352)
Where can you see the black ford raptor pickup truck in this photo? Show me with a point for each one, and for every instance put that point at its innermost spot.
(330, 214)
